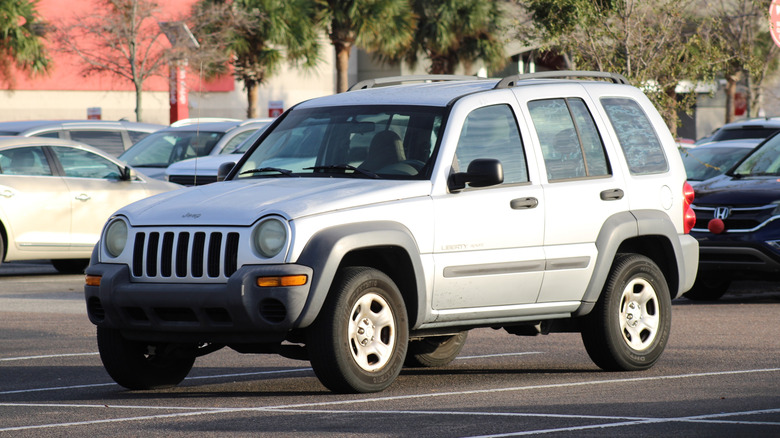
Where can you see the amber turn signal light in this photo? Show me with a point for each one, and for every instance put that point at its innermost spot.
(284, 280)
(93, 280)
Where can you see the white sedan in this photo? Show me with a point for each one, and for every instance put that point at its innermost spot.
(55, 196)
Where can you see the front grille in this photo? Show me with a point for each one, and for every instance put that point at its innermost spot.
(183, 254)
(739, 219)
(192, 180)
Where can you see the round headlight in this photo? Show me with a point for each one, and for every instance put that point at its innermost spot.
(270, 237)
(116, 237)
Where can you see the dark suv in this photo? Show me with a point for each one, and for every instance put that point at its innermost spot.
(736, 223)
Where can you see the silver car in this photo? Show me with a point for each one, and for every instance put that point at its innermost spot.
(112, 137)
(55, 196)
(155, 153)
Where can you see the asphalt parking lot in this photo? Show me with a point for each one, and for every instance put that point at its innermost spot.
(719, 376)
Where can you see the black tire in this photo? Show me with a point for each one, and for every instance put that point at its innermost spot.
(70, 266)
(358, 342)
(435, 351)
(708, 287)
(140, 365)
(629, 327)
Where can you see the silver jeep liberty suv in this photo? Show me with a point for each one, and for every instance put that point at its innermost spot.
(373, 229)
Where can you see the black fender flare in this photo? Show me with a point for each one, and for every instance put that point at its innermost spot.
(328, 247)
(617, 229)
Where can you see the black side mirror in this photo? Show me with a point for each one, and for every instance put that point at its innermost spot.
(482, 172)
(224, 169)
(128, 174)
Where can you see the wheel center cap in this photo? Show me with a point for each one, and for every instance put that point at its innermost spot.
(633, 314)
(365, 332)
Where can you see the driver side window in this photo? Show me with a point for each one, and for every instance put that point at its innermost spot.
(78, 163)
(491, 132)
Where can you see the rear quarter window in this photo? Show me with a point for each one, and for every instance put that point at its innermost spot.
(637, 137)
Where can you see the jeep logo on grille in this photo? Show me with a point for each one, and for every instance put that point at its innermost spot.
(721, 213)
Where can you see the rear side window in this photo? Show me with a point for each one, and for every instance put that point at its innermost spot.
(571, 144)
(236, 140)
(48, 134)
(636, 135)
(135, 136)
(29, 161)
(108, 141)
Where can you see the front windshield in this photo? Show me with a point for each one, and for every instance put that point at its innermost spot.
(704, 163)
(360, 141)
(162, 148)
(764, 160)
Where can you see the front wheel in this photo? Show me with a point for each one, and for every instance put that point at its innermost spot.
(358, 342)
(142, 365)
(629, 327)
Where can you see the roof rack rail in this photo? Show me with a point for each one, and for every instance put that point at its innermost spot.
(510, 81)
(369, 83)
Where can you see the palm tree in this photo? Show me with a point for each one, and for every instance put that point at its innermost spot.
(21, 45)
(255, 37)
(378, 26)
(454, 32)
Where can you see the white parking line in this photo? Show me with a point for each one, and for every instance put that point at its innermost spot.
(46, 356)
(216, 376)
(695, 419)
(305, 407)
(96, 385)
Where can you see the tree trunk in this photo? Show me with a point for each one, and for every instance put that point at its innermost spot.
(731, 90)
(342, 66)
(138, 99)
(252, 96)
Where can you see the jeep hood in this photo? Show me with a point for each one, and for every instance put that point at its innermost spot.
(241, 203)
(728, 190)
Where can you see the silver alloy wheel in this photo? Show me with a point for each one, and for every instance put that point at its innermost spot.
(371, 332)
(639, 316)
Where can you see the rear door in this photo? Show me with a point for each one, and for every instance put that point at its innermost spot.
(581, 186)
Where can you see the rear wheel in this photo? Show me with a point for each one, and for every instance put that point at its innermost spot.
(435, 351)
(708, 287)
(143, 365)
(629, 327)
(358, 342)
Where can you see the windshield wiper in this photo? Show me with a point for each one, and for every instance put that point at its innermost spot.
(344, 167)
(284, 172)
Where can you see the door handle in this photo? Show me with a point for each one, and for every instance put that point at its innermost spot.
(523, 203)
(612, 195)
(83, 197)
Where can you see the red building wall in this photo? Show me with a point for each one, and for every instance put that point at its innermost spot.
(66, 74)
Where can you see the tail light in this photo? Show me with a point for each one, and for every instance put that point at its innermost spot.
(689, 217)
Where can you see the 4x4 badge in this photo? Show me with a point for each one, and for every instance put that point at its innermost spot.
(722, 213)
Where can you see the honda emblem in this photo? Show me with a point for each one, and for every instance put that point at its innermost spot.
(721, 213)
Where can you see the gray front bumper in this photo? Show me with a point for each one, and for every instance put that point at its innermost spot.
(236, 311)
